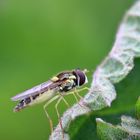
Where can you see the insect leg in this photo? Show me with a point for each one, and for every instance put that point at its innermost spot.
(58, 114)
(85, 88)
(73, 93)
(77, 92)
(75, 97)
(79, 95)
(65, 102)
(49, 118)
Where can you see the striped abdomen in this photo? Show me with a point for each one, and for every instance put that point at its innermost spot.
(38, 98)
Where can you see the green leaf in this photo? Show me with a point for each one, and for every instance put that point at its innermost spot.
(84, 127)
(130, 125)
(138, 108)
(114, 68)
(107, 131)
(128, 130)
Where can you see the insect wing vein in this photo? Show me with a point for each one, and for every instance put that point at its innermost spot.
(33, 91)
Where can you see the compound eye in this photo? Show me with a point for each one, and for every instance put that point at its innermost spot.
(81, 77)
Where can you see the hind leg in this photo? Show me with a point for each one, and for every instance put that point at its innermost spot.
(58, 114)
(47, 114)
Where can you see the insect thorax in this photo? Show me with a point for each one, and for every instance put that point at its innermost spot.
(67, 85)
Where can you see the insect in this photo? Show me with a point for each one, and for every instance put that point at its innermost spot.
(56, 88)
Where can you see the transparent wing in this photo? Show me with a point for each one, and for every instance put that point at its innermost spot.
(33, 91)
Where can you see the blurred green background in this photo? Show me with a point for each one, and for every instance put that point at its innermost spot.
(39, 39)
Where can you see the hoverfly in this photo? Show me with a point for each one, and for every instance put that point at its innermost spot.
(55, 88)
